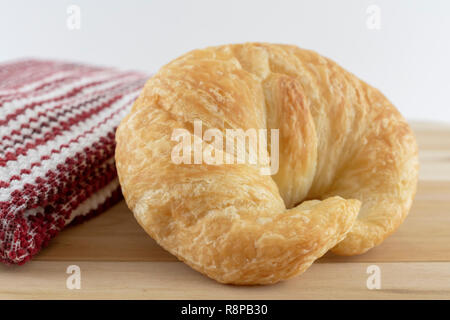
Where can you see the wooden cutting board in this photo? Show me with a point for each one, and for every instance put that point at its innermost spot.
(118, 260)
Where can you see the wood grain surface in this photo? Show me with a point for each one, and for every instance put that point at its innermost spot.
(119, 261)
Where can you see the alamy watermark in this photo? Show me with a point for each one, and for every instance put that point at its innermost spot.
(74, 280)
(374, 280)
(373, 21)
(237, 146)
(73, 21)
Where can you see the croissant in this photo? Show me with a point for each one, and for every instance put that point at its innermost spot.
(347, 162)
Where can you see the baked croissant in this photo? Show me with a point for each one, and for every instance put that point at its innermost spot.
(347, 162)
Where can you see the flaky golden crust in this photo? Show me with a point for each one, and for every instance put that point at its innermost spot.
(347, 165)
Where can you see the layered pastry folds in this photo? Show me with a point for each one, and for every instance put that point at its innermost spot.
(347, 173)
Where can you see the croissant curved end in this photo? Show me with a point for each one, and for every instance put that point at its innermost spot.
(346, 160)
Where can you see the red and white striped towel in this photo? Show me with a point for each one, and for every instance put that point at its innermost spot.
(57, 124)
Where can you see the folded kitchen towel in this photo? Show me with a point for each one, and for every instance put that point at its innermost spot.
(57, 124)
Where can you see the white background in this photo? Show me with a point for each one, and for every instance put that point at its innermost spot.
(408, 58)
